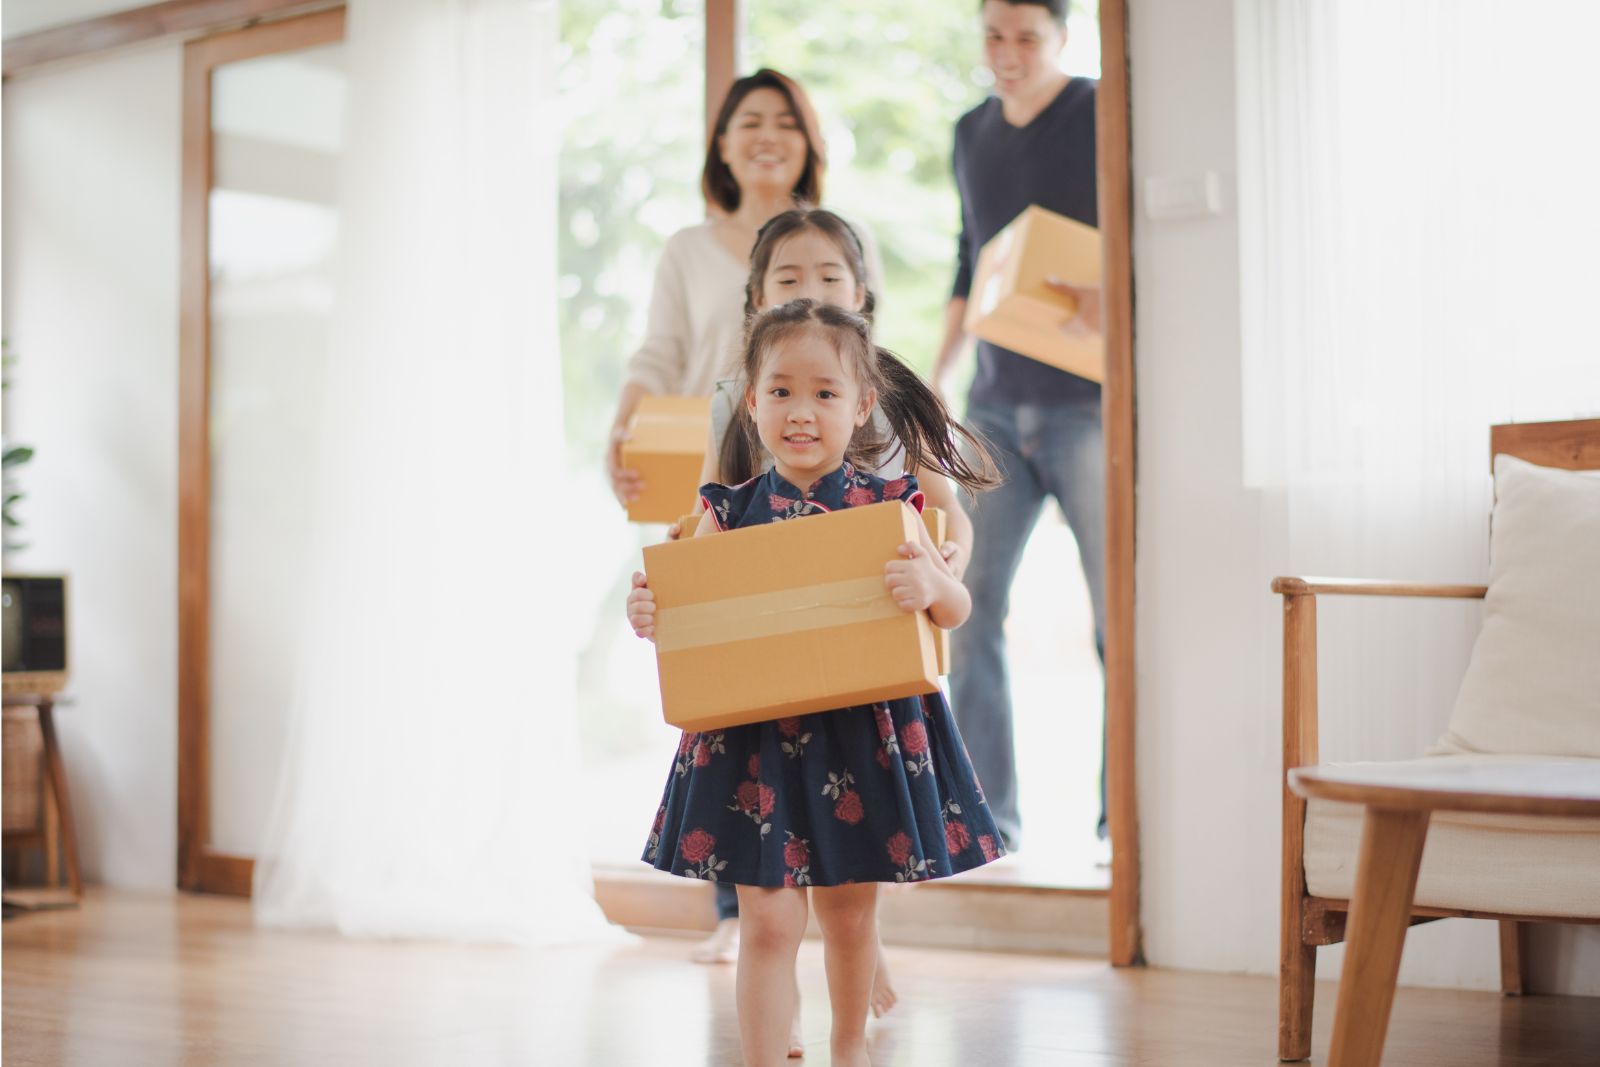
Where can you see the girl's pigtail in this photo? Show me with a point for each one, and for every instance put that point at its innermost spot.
(925, 428)
(739, 456)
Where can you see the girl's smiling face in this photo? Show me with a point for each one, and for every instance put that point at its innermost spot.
(810, 264)
(807, 404)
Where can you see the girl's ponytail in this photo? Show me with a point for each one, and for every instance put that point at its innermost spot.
(739, 457)
(926, 430)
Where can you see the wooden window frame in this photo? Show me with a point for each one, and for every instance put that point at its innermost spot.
(202, 868)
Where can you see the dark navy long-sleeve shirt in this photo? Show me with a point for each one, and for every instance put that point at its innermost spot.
(1001, 169)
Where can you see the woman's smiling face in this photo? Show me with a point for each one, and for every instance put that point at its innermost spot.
(764, 146)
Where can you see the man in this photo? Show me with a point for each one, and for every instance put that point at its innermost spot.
(1032, 142)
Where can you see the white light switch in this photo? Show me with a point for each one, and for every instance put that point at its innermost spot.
(1182, 196)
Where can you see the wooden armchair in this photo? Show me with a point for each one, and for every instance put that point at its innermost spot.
(1311, 918)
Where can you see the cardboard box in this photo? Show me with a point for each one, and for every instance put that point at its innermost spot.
(666, 444)
(1010, 305)
(938, 524)
(786, 618)
(687, 525)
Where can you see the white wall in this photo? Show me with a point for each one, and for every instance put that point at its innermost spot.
(91, 169)
(1208, 628)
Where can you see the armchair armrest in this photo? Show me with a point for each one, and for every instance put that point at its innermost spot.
(1307, 586)
(1300, 650)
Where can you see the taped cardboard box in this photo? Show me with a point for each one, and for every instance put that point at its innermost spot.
(666, 444)
(938, 525)
(787, 618)
(1011, 306)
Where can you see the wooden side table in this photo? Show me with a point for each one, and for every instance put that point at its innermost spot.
(56, 781)
(1398, 806)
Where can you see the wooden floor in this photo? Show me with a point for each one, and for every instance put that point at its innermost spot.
(160, 979)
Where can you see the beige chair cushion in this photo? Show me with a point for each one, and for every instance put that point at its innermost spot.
(1533, 684)
(1511, 864)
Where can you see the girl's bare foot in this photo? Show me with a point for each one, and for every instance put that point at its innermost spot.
(797, 1041)
(883, 995)
(721, 947)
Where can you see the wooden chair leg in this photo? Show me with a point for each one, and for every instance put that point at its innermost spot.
(1297, 985)
(1380, 911)
(1513, 957)
(58, 788)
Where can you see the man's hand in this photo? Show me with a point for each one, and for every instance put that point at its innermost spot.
(1085, 320)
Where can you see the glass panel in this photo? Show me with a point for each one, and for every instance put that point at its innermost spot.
(632, 84)
(276, 124)
(889, 126)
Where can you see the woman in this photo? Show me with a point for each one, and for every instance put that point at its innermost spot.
(765, 155)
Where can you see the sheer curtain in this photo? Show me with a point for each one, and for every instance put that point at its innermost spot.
(1419, 233)
(430, 782)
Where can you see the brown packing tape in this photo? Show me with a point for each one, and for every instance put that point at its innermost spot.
(810, 607)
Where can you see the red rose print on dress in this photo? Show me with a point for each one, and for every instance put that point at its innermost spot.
(796, 861)
(889, 744)
(794, 739)
(706, 746)
(956, 837)
(900, 848)
(754, 799)
(914, 738)
(780, 503)
(901, 855)
(894, 490)
(697, 847)
(753, 768)
(858, 495)
(686, 743)
(848, 808)
(653, 844)
(986, 844)
(796, 852)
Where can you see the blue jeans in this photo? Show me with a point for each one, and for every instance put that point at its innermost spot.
(1054, 451)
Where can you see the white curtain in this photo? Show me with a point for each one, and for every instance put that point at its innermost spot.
(430, 786)
(1420, 238)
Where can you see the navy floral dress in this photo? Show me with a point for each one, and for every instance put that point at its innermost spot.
(876, 793)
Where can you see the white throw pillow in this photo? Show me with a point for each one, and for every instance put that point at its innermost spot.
(1533, 685)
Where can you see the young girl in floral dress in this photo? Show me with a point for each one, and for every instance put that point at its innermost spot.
(836, 800)
(809, 252)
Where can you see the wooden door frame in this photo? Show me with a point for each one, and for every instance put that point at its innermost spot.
(1118, 415)
(202, 868)
(724, 20)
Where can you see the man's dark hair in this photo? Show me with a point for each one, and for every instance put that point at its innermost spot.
(1057, 8)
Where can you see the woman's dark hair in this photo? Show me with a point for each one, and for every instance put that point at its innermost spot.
(785, 225)
(716, 180)
(916, 415)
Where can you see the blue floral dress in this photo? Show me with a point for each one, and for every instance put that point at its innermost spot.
(876, 793)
